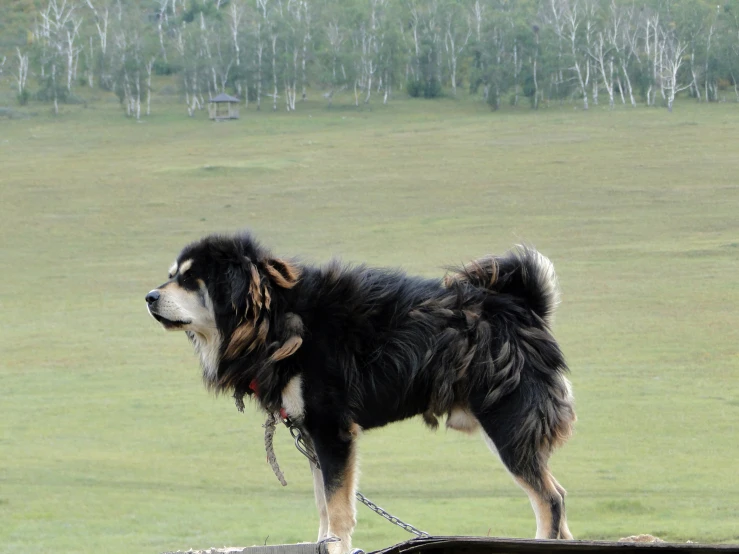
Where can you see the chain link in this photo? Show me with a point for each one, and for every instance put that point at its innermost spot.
(391, 518)
(306, 449)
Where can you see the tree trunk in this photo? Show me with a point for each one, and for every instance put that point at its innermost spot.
(595, 90)
(369, 87)
(386, 89)
(53, 84)
(138, 96)
(515, 74)
(90, 73)
(260, 49)
(628, 84)
(274, 72)
(149, 67)
(303, 93)
(536, 80)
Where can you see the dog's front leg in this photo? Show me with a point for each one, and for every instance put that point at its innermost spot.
(337, 457)
(320, 493)
(318, 490)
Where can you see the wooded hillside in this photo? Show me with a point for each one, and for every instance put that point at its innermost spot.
(275, 52)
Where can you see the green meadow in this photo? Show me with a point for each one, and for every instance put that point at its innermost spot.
(109, 442)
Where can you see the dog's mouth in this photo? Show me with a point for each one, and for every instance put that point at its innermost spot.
(169, 323)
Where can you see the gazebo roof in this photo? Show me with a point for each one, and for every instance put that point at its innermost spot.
(223, 97)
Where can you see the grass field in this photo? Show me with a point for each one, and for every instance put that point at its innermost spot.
(108, 441)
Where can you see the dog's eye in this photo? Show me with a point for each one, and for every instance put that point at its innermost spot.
(186, 280)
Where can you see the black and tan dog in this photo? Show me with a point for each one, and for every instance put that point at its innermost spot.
(344, 349)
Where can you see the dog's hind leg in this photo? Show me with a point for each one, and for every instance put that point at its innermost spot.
(514, 429)
(564, 530)
(537, 482)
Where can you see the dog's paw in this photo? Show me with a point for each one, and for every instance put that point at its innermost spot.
(332, 545)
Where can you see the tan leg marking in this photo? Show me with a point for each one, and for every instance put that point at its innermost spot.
(342, 511)
(541, 507)
(564, 530)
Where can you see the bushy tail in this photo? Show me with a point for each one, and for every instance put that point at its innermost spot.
(522, 272)
(523, 359)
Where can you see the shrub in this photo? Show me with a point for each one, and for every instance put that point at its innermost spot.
(165, 68)
(430, 88)
(414, 88)
(23, 97)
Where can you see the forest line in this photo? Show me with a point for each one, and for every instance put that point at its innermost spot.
(272, 53)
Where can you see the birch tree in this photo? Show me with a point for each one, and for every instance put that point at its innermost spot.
(21, 77)
(236, 15)
(133, 56)
(601, 54)
(194, 74)
(538, 49)
(306, 31)
(259, 50)
(334, 57)
(426, 27)
(63, 27)
(389, 49)
(495, 55)
(57, 31)
(101, 18)
(653, 44)
(456, 36)
(672, 61)
(270, 11)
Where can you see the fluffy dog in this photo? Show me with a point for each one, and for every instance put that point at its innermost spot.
(342, 349)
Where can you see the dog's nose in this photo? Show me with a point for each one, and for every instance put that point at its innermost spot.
(152, 297)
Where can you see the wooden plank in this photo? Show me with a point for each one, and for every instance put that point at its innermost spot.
(300, 548)
(485, 545)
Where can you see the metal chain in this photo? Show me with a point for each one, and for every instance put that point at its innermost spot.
(303, 447)
(306, 449)
(391, 518)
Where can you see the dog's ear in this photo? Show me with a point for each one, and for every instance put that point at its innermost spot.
(281, 272)
(238, 280)
(251, 283)
(248, 290)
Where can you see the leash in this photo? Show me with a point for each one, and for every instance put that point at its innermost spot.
(306, 449)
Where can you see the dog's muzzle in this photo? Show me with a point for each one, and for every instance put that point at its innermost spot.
(152, 300)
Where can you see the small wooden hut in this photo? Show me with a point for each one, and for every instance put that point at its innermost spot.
(223, 106)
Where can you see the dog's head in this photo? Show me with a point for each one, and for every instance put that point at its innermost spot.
(220, 291)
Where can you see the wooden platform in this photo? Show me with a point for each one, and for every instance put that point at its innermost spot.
(485, 545)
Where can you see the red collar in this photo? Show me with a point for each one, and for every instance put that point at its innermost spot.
(253, 386)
